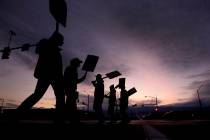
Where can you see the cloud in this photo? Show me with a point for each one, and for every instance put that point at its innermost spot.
(171, 24)
(27, 59)
(168, 28)
(172, 28)
(204, 75)
(198, 80)
(200, 85)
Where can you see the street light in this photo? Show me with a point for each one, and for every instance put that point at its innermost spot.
(156, 102)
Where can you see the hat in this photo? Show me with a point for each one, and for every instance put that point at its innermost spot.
(98, 76)
(112, 86)
(76, 61)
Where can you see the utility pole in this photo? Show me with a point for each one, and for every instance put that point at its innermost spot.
(2, 105)
(88, 103)
(198, 94)
(156, 101)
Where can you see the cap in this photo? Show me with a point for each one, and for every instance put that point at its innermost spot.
(98, 76)
(76, 61)
(111, 87)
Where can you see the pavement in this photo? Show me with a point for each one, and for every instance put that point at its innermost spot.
(91, 129)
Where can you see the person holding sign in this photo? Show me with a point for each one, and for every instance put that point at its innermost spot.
(98, 97)
(123, 100)
(112, 102)
(124, 96)
(48, 71)
(70, 86)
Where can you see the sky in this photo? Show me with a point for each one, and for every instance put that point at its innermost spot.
(161, 47)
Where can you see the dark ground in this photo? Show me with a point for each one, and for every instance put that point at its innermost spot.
(69, 131)
(39, 124)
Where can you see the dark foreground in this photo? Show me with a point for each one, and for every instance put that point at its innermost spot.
(90, 129)
(40, 125)
(84, 130)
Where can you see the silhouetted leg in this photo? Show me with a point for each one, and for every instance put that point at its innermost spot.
(112, 113)
(71, 106)
(60, 100)
(74, 117)
(67, 101)
(71, 100)
(41, 88)
(59, 94)
(97, 113)
(100, 114)
(124, 115)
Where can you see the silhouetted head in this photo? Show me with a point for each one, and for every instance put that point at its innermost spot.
(98, 77)
(111, 87)
(57, 39)
(76, 62)
(122, 83)
(42, 43)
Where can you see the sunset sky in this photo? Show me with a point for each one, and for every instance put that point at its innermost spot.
(161, 47)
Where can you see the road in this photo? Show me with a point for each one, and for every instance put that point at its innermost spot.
(90, 129)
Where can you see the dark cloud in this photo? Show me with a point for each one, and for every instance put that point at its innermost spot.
(178, 28)
(196, 84)
(204, 75)
(200, 79)
(193, 103)
(27, 59)
(200, 85)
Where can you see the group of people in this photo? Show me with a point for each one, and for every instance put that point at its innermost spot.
(99, 96)
(49, 71)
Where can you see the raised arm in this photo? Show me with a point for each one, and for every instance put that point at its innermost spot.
(82, 78)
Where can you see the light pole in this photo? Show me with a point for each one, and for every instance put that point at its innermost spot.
(156, 102)
(198, 93)
(2, 105)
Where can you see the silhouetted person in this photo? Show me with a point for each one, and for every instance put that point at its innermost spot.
(123, 101)
(70, 85)
(98, 97)
(112, 102)
(48, 71)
